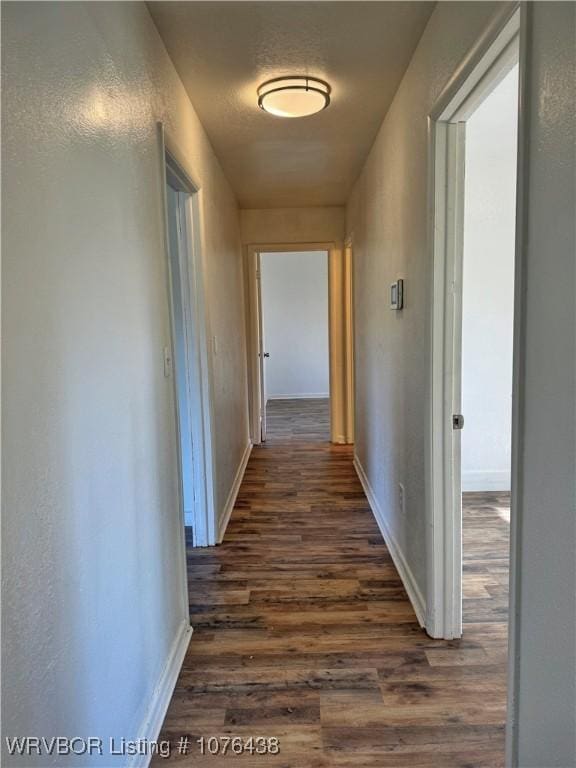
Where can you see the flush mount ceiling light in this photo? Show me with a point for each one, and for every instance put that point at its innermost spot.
(297, 96)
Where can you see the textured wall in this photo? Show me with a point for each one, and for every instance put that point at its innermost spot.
(292, 225)
(388, 218)
(295, 316)
(543, 660)
(91, 566)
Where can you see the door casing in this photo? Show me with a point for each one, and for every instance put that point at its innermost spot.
(487, 64)
(199, 373)
(339, 310)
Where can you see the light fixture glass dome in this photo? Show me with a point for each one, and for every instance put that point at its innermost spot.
(297, 96)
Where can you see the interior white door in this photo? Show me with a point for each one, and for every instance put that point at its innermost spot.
(261, 350)
(456, 139)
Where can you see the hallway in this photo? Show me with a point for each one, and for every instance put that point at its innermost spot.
(303, 631)
(204, 177)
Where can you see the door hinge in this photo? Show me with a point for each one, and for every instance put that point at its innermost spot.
(457, 421)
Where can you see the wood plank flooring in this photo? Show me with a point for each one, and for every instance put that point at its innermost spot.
(303, 631)
(486, 543)
(305, 419)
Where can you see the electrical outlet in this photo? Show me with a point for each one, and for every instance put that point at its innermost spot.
(167, 362)
(401, 498)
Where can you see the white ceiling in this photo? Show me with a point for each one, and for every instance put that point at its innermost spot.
(224, 50)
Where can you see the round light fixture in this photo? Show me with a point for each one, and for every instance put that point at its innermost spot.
(296, 96)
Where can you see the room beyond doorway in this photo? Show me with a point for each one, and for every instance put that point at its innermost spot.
(295, 354)
(336, 292)
(488, 247)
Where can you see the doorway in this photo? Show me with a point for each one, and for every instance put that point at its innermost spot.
(487, 340)
(338, 290)
(186, 359)
(294, 340)
(473, 133)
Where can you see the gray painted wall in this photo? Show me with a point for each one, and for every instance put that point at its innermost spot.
(91, 566)
(543, 659)
(292, 225)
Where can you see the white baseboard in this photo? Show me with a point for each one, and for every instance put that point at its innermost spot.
(305, 396)
(410, 585)
(231, 500)
(489, 480)
(150, 729)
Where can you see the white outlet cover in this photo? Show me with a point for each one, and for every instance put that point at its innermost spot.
(167, 362)
(401, 497)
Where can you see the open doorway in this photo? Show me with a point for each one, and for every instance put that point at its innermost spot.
(295, 354)
(329, 293)
(186, 359)
(181, 330)
(487, 342)
(473, 230)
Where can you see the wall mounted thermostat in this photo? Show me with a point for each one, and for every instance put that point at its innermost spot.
(397, 295)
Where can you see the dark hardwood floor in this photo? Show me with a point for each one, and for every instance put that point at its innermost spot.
(486, 543)
(307, 420)
(303, 631)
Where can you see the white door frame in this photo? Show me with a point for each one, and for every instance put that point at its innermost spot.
(487, 64)
(349, 336)
(261, 348)
(336, 331)
(198, 374)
